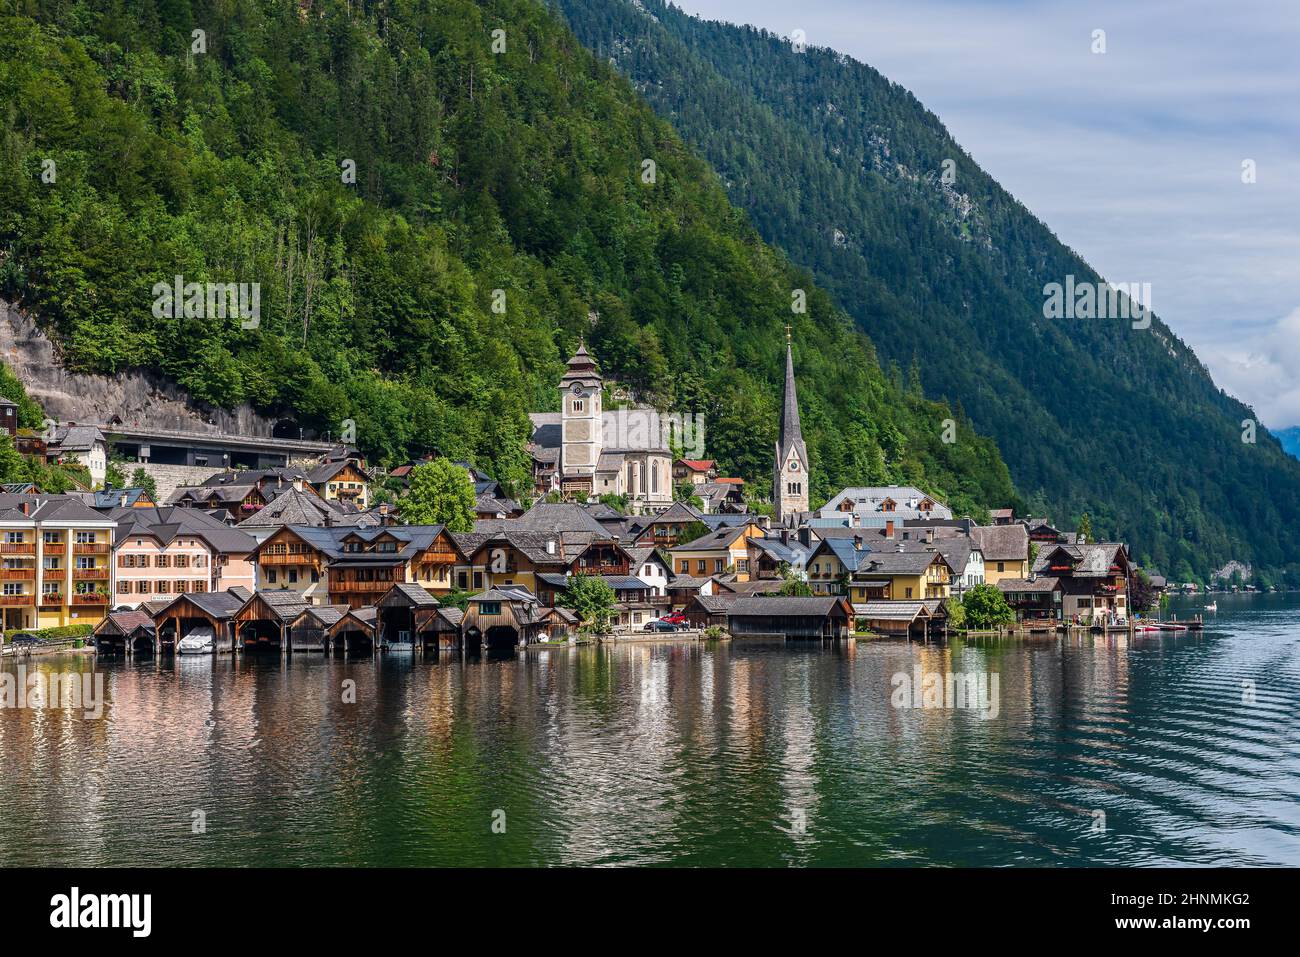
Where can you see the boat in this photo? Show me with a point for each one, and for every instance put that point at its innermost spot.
(200, 641)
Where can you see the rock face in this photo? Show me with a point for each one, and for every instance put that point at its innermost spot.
(134, 397)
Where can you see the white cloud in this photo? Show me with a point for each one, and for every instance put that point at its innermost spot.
(1266, 372)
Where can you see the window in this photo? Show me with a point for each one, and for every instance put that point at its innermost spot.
(162, 561)
(85, 561)
(576, 406)
(701, 565)
(270, 576)
(685, 566)
(51, 564)
(909, 591)
(50, 588)
(14, 538)
(13, 588)
(489, 608)
(717, 566)
(53, 538)
(85, 538)
(293, 576)
(1001, 566)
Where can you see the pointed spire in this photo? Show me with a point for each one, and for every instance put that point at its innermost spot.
(790, 428)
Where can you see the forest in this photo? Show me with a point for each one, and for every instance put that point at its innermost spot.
(436, 200)
(855, 180)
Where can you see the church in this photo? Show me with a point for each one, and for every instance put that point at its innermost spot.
(585, 450)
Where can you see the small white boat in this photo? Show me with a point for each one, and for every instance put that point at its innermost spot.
(200, 641)
(1212, 606)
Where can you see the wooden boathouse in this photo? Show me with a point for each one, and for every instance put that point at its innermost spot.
(788, 616)
(129, 631)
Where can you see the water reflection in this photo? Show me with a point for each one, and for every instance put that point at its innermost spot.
(742, 753)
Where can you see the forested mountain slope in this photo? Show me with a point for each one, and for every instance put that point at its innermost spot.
(843, 170)
(210, 140)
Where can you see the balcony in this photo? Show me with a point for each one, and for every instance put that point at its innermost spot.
(292, 558)
(17, 574)
(52, 598)
(90, 598)
(18, 548)
(17, 600)
(54, 548)
(341, 587)
(91, 548)
(90, 574)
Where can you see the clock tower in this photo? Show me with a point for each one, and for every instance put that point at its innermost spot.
(580, 411)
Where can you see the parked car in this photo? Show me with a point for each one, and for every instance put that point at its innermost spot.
(677, 618)
(664, 624)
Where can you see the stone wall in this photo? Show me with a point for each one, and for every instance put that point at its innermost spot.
(137, 397)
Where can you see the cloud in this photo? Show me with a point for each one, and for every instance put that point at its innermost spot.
(1132, 157)
(1265, 373)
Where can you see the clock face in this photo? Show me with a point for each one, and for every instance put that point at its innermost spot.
(794, 466)
(577, 388)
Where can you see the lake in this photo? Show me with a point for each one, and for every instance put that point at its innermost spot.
(1175, 749)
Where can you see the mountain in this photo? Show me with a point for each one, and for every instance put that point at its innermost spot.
(1290, 440)
(433, 202)
(844, 170)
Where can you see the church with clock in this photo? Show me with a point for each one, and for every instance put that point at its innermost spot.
(586, 450)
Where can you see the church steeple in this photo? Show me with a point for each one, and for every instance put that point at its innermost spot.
(790, 472)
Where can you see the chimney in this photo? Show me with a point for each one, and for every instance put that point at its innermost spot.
(929, 535)
(550, 546)
(857, 543)
(27, 508)
(889, 528)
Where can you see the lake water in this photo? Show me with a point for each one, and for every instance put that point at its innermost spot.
(1102, 751)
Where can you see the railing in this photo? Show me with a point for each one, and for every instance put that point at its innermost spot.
(11, 600)
(90, 598)
(295, 558)
(85, 574)
(90, 548)
(52, 598)
(54, 548)
(17, 574)
(346, 586)
(17, 548)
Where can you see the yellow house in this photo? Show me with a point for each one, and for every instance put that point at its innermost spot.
(721, 551)
(55, 562)
(901, 576)
(1006, 551)
(341, 482)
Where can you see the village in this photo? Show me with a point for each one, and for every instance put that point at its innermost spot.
(280, 545)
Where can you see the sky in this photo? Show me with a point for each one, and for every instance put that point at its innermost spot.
(1133, 157)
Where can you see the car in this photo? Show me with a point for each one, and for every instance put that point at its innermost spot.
(659, 624)
(676, 618)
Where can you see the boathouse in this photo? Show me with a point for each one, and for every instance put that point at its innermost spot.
(502, 618)
(704, 611)
(262, 624)
(911, 619)
(407, 614)
(198, 613)
(310, 630)
(354, 633)
(125, 631)
(788, 616)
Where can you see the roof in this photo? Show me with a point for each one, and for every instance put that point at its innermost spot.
(283, 605)
(48, 508)
(793, 606)
(891, 610)
(909, 562)
(697, 465)
(113, 497)
(125, 622)
(870, 500)
(716, 604)
(221, 605)
(1001, 543)
(719, 538)
(687, 581)
(791, 436)
(166, 523)
(1043, 584)
(409, 594)
(76, 438)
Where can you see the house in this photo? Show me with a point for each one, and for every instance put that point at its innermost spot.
(790, 617)
(109, 498)
(716, 552)
(872, 506)
(341, 481)
(9, 417)
(1094, 580)
(901, 575)
(1038, 599)
(723, 496)
(297, 507)
(55, 561)
(707, 611)
(1002, 516)
(204, 613)
(164, 551)
(585, 451)
(1005, 549)
(834, 561)
(83, 444)
(694, 471)
(682, 590)
(123, 631)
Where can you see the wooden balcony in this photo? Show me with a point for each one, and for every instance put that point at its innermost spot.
(17, 600)
(346, 586)
(91, 548)
(90, 598)
(17, 574)
(17, 548)
(90, 574)
(54, 548)
(52, 599)
(311, 559)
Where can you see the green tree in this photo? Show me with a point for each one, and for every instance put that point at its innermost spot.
(592, 599)
(142, 479)
(13, 467)
(986, 607)
(440, 493)
(1085, 528)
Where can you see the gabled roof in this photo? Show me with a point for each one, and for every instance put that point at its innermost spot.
(719, 538)
(409, 595)
(795, 606)
(899, 563)
(1001, 543)
(166, 523)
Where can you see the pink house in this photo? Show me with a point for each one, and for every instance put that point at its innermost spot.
(165, 551)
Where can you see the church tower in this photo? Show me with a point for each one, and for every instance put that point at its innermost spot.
(580, 423)
(790, 478)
